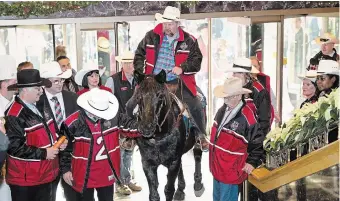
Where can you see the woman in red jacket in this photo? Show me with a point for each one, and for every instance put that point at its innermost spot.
(89, 78)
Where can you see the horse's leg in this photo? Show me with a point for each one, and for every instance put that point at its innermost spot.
(198, 186)
(179, 194)
(151, 175)
(169, 189)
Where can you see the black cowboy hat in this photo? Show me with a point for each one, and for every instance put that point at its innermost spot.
(29, 78)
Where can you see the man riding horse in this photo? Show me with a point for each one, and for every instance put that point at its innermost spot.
(167, 47)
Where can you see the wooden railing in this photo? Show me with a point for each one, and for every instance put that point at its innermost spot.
(318, 160)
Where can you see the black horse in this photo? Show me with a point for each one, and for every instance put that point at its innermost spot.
(164, 136)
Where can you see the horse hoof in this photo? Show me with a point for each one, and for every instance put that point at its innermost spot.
(179, 196)
(199, 190)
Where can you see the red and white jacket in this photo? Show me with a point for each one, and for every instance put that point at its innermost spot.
(29, 135)
(187, 55)
(87, 159)
(238, 142)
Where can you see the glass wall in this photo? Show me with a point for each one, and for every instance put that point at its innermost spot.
(299, 48)
(228, 41)
(34, 44)
(65, 35)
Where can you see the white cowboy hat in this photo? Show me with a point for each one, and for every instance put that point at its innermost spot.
(99, 102)
(326, 38)
(328, 67)
(310, 75)
(127, 56)
(170, 14)
(88, 67)
(240, 65)
(103, 44)
(231, 87)
(53, 70)
(7, 67)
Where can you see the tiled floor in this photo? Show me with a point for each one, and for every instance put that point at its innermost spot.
(322, 186)
(188, 168)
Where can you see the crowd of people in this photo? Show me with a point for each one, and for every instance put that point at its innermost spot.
(41, 106)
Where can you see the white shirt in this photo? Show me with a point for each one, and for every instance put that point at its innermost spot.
(229, 115)
(52, 104)
(4, 104)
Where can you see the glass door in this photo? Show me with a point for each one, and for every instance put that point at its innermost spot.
(98, 48)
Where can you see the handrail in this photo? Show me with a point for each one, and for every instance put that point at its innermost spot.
(318, 160)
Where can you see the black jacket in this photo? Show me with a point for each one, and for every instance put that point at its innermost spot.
(70, 104)
(123, 90)
(261, 100)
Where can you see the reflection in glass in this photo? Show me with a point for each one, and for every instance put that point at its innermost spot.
(299, 47)
(65, 35)
(7, 41)
(35, 44)
(229, 41)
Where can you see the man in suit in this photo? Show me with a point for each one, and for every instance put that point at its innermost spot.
(69, 84)
(60, 104)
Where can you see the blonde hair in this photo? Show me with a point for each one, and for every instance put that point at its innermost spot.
(60, 50)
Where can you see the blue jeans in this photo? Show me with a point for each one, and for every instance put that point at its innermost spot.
(224, 192)
(125, 166)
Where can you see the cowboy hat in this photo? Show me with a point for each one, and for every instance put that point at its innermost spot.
(88, 67)
(29, 78)
(99, 102)
(7, 68)
(328, 67)
(231, 87)
(103, 44)
(53, 70)
(127, 56)
(326, 38)
(241, 65)
(170, 14)
(310, 75)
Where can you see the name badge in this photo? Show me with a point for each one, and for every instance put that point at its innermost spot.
(111, 177)
(123, 88)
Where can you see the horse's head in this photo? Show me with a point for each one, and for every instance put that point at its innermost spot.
(153, 100)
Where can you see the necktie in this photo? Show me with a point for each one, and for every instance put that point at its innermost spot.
(58, 112)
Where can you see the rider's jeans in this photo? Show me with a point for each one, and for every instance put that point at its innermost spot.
(125, 165)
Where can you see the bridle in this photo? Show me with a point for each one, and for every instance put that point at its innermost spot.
(159, 109)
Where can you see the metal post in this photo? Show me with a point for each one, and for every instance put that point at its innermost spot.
(245, 190)
(279, 67)
(210, 98)
(79, 47)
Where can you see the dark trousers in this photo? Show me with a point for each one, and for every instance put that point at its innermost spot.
(41, 192)
(103, 193)
(54, 188)
(255, 194)
(69, 193)
(195, 106)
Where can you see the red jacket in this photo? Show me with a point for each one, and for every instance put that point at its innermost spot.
(187, 55)
(239, 141)
(100, 87)
(84, 158)
(29, 136)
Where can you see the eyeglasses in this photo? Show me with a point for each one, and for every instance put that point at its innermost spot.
(57, 82)
(320, 78)
(231, 97)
